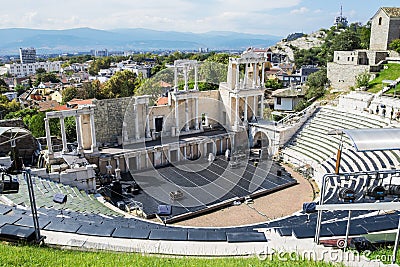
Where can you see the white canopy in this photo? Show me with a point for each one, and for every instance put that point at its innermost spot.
(374, 139)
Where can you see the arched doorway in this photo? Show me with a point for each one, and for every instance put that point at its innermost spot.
(261, 145)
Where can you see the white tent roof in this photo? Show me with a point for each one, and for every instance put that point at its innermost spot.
(374, 139)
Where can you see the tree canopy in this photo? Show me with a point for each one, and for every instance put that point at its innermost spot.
(121, 84)
(355, 36)
(395, 45)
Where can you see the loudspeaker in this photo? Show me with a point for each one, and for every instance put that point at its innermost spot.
(17, 233)
(279, 172)
(10, 185)
(164, 210)
(60, 198)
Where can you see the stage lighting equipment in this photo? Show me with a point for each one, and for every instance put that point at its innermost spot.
(376, 192)
(392, 189)
(309, 207)
(347, 195)
(8, 184)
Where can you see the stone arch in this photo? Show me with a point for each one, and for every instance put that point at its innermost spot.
(260, 140)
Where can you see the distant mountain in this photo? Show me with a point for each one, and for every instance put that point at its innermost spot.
(85, 39)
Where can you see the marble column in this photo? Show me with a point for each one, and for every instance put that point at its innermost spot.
(246, 75)
(263, 75)
(187, 115)
(177, 116)
(63, 136)
(196, 113)
(48, 136)
(93, 133)
(185, 73)
(237, 76)
(237, 112)
(254, 75)
(147, 122)
(79, 133)
(245, 109)
(254, 107)
(262, 107)
(135, 111)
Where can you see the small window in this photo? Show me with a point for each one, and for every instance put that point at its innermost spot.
(380, 21)
(279, 101)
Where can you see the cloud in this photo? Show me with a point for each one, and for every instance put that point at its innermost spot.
(301, 10)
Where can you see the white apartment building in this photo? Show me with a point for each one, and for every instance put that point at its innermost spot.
(23, 70)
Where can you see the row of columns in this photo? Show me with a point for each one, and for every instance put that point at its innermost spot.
(196, 111)
(185, 76)
(180, 156)
(237, 115)
(78, 123)
(246, 75)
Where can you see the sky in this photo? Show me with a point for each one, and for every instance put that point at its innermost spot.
(276, 17)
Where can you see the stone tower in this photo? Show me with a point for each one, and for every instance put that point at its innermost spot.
(385, 27)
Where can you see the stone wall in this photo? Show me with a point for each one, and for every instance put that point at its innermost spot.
(342, 77)
(108, 118)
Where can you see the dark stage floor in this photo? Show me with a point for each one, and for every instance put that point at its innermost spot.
(206, 186)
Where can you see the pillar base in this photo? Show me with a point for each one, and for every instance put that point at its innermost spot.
(94, 149)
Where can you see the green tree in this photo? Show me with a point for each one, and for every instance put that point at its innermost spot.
(40, 71)
(395, 45)
(346, 41)
(99, 63)
(69, 93)
(3, 86)
(20, 89)
(70, 128)
(273, 83)
(362, 80)
(36, 125)
(308, 57)
(316, 84)
(222, 58)
(212, 72)
(46, 77)
(121, 84)
(3, 83)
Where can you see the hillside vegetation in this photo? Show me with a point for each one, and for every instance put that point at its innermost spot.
(391, 71)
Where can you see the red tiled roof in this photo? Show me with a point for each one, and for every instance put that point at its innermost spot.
(60, 108)
(74, 103)
(48, 105)
(162, 101)
(81, 102)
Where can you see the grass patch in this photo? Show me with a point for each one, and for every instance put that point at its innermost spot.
(23, 255)
(394, 91)
(384, 255)
(392, 72)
